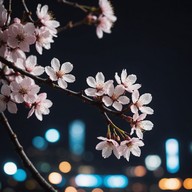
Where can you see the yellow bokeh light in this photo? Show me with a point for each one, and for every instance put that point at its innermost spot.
(187, 184)
(65, 167)
(97, 190)
(170, 184)
(70, 189)
(55, 178)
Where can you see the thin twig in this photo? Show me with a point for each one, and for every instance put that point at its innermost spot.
(9, 11)
(27, 10)
(26, 161)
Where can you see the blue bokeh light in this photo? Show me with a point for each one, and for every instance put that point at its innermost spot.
(52, 135)
(115, 181)
(39, 143)
(20, 175)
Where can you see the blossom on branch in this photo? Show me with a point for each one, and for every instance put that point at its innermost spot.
(139, 125)
(108, 146)
(127, 81)
(139, 102)
(40, 107)
(5, 100)
(60, 73)
(130, 146)
(115, 97)
(97, 84)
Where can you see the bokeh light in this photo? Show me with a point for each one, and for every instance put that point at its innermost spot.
(152, 162)
(140, 171)
(55, 178)
(20, 175)
(39, 143)
(30, 184)
(187, 184)
(10, 168)
(97, 190)
(65, 167)
(170, 184)
(115, 181)
(70, 189)
(52, 135)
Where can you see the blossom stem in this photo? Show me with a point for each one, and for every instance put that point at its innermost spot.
(27, 10)
(26, 161)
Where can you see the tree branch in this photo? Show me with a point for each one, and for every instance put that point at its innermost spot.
(26, 161)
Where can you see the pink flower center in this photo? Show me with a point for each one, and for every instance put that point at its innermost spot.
(23, 91)
(20, 38)
(60, 74)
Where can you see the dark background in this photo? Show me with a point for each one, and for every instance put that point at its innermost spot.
(152, 39)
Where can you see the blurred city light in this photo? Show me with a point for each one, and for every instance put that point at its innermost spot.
(115, 181)
(52, 135)
(44, 167)
(20, 175)
(172, 155)
(88, 180)
(10, 168)
(152, 162)
(31, 184)
(77, 137)
(65, 167)
(139, 171)
(39, 143)
(170, 184)
(55, 178)
(187, 184)
(97, 190)
(70, 189)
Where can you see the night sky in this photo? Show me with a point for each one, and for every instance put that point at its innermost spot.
(152, 39)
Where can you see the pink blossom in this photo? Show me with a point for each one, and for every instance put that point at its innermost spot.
(58, 72)
(40, 107)
(46, 18)
(14, 54)
(127, 81)
(139, 102)
(103, 25)
(107, 10)
(5, 100)
(115, 97)
(21, 36)
(24, 90)
(139, 125)
(97, 84)
(44, 39)
(130, 146)
(30, 65)
(3, 42)
(108, 146)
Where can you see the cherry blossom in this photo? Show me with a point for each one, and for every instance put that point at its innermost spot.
(139, 125)
(103, 25)
(3, 42)
(24, 90)
(21, 36)
(130, 146)
(5, 100)
(3, 15)
(127, 81)
(46, 18)
(30, 65)
(139, 102)
(115, 97)
(41, 106)
(108, 146)
(107, 10)
(14, 54)
(97, 84)
(60, 72)
(43, 39)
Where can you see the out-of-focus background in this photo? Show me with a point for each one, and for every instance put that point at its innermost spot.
(152, 39)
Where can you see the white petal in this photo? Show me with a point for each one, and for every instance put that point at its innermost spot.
(117, 78)
(123, 75)
(139, 133)
(62, 83)
(136, 151)
(51, 73)
(55, 63)
(90, 92)
(69, 78)
(101, 145)
(91, 81)
(100, 77)
(145, 99)
(106, 152)
(135, 96)
(119, 90)
(123, 100)
(146, 125)
(107, 101)
(38, 70)
(134, 109)
(118, 106)
(67, 67)
(12, 107)
(146, 110)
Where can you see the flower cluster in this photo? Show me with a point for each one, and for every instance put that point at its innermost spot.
(103, 18)
(123, 97)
